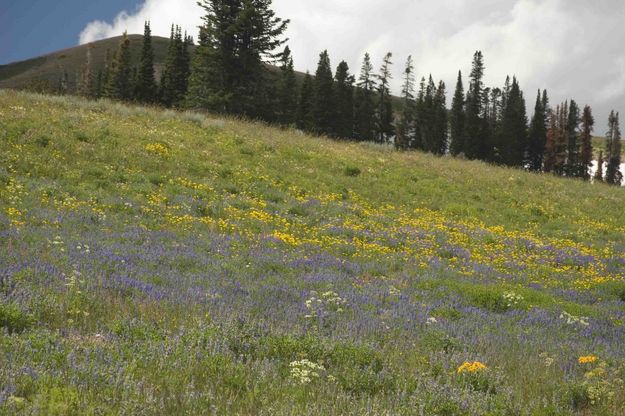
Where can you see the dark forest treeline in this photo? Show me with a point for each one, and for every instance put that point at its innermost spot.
(229, 73)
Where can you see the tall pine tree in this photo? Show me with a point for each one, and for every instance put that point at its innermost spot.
(344, 118)
(537, 140)
(586, 143)
(599, 173)
(573, 167)
(475, 147)
(175, 77)
(560, 139)
(324, 107)
(364, 102)
(385, 129)
(287, 90)
(426, 114)
(145, 89)
(440, 119)
(512, 139)
(405, 125)
(457, 119)
(236, 39)
(119, 79)
(613, 174)
(204, 78)
(305, 108)
(550, 158)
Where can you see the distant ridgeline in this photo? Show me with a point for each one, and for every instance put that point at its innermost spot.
(235, 69)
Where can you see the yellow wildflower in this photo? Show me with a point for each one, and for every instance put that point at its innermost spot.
(471, 367)
(588, 359)
(157, 148)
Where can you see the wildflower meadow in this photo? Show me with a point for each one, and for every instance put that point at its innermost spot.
(155, 262)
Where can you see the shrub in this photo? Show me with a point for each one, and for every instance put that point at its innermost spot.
(15, 319)
(352, 171)
(82, 137)
(43, 141)
(490, 298)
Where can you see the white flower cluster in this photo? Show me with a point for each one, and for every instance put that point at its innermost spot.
(74, 282)
(84, 248)
(512, 299)
(548, 360)
(58, 242)
(575, 320)
(304, 371)
(320, 306)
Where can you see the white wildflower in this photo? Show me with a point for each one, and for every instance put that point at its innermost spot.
(305, 371)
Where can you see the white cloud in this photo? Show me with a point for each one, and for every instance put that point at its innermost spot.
(570, 47)
(161, 14)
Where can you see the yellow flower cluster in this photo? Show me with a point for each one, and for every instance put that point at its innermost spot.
(286, 238)
(157, 149)
(471, 367)
(588, 359)
(187, 183)
(15, 216)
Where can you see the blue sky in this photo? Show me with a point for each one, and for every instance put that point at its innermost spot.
(34, 27)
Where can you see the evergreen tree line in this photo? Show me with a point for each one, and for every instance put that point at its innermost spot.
(230, 73)
(120, 80)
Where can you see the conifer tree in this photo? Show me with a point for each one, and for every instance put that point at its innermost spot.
(513, 138)
(175, 74)
(490, 127)
(599, 172)
(613, 175)
(440, 119)
(475, 146)
(549, 160)
(385, 128)
(324, 108)
(426, 116)
(185, 63)
(146, 85)
(344, 120)
(119, 80)
(586, 143)
(537, 140)
(237, 36)
(305, 109)
(420, 120)
(168, 77)
(561, 154)
(573, 167)
(365, 105)
(405, 126)
(204, 78)
(287, 90)
(457, 119)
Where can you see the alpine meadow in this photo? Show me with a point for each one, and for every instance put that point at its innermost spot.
(190, 226)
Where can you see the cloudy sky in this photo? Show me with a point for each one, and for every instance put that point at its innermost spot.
(571, 47)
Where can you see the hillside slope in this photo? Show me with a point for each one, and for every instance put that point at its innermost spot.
(51, 67)
(160, 262)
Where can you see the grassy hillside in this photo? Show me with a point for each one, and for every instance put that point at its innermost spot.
(50, 67)
(154, 262)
